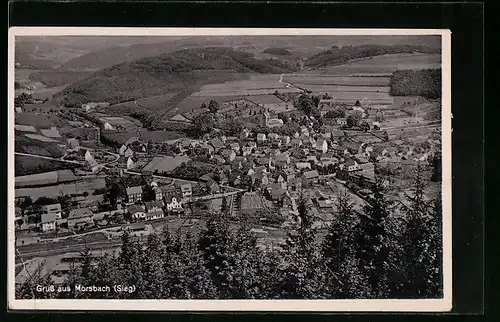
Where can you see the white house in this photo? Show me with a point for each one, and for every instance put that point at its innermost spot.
(186, 190)
(90, 159)
(244, 133)
(130, 163)
(322, 145)
(173, 203)
(352, 166)
(261, 137)
(48, 222)
(109, 127)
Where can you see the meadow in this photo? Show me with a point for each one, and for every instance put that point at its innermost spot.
(335, 80)
(256, 85)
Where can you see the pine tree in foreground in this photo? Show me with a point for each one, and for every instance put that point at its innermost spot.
(373, 241)
(338, 249)
(303, 273)
(422, 245)
(152, 267)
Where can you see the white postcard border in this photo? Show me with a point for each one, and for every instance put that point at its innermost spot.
(421, 305)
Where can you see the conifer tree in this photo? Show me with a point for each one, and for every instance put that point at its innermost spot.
(338, 249)
(186, 276)
(244, 278)
(106, 273)
(422, 244)
(373, 241)
(27, 290)
(303, 275)
(152, 267)
(130, 265)
(216, 244)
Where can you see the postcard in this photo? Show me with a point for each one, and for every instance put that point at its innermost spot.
(229, 169)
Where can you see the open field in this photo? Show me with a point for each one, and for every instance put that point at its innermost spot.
(88, 185)
(41, 90)
(385, 64)
(324, 79)
(164, 164)
(25, 165)
(256, 85)
(344, 89)
(55, 78)
(156, 103)
(35, 145)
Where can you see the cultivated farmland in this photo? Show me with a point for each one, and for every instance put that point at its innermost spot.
(334, 80)
(256, 85)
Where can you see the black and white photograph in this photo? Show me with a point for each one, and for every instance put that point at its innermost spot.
(212, 165)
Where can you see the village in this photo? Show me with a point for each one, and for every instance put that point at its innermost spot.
(254, 174)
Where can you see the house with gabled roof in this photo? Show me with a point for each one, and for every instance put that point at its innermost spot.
(48, 222)
(322, 145)
(216, 143)
(134, 194)
(311, 175)
(80, 217)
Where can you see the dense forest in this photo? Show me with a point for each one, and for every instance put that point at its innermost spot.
(376, 254)
(426, 83)
(167, 73)
(337, 55)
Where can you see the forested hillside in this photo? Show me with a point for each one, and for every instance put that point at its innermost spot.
(167, 73)
(337, 55)
(426, 82)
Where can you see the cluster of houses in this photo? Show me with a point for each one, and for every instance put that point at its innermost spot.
(168, 199)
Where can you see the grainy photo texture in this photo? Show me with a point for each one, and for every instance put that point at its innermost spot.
(258, 167)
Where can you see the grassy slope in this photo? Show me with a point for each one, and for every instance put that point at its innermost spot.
(54, 78)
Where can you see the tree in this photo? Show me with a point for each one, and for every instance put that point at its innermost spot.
(373, 240)
(338, 250)
(385, 136)
(364, 126)
(224, 207)
(351, 121)
(358, 115)
(25, 202)
(358, 103)
(304, 275)
(114, 191)
(148, 194)
(315, 100)
(305, 104)
(130, 268)
(186, 276)
(422, 259)
(436, 168)
(283, 117)
(213, 106)
(203, 123)
(216, 245)
(336, 113)
(152, 267)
